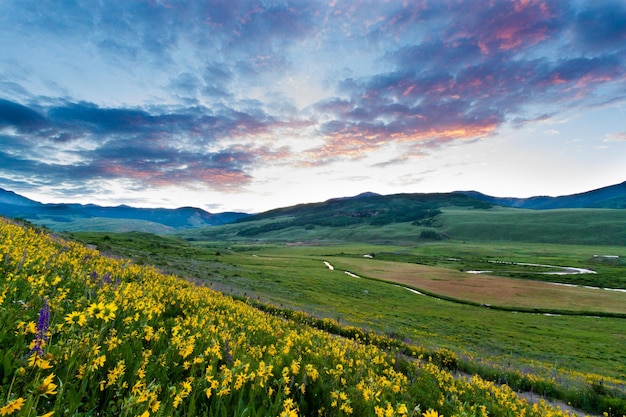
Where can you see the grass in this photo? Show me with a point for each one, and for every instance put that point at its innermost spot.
(295, 277)
(569, 226)
(82, 334)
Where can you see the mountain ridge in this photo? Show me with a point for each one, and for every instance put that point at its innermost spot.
(74, 216)
(612, 196)
(79, 216)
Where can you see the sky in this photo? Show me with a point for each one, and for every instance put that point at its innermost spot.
(241, 105)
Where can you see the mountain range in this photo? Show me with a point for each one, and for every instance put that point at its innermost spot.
(613, 196)
(75, 217)
(72, 217)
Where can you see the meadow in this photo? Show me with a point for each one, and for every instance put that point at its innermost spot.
(83, 334)
(574, 342)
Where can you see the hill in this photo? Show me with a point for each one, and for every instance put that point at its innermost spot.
(412, 219)
(73, 217)
(372, 209)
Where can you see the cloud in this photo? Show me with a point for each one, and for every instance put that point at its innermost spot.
(20, 117)
(161, 93)
(505, 25)
(464, 81)
(78, 142)
(616, 137)
(601, 27)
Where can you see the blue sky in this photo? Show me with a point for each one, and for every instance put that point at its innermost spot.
(253, 105)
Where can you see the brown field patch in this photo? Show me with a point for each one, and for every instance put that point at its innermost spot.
(487, 289)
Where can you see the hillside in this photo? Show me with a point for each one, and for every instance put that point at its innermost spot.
(129, 340)
(406, 219)
(372, 210)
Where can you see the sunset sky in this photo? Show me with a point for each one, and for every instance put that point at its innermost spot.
(251, 105)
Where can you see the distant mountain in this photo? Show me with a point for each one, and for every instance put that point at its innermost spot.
(613, 196)
(11, 198)
(366, 208)
(93, 217)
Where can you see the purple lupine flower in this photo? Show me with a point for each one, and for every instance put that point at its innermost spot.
(228, 356)
(43, 324)
(106, 278)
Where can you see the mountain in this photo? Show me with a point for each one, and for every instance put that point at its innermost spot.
(613, 196)
(409, 219)
(11, 198)
(367, 208)
(73, 217)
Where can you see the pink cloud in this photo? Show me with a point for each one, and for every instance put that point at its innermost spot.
(616, 137)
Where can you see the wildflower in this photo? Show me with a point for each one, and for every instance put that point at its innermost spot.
(432, 413)
(98, 362)
(36, 361)
(9, 408)
(115, 373)
(96, 310)
(47, 387)
(155, 404)
(41, 334)
(109, 312)
(77, 318)
(113, 342)
(311, 372)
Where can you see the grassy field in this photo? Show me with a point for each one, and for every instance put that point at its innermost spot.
(82, 334)
(295, 277)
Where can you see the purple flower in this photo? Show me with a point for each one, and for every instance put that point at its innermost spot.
(43, 324)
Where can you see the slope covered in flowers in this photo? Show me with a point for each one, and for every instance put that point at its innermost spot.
(83, 334)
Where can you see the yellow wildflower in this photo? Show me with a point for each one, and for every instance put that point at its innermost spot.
(47, 387)
(96, 310)
(14, 405)
(109, 312)
(76, 318)
(37, 361)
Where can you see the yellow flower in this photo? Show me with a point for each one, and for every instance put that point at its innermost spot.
(98, 362)
(76, 318)
(47, 387)
(115, 373)
(432, 413)
(109, 312)
(96, 310)
(48, 414)
(37, 361)
(9, 408)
